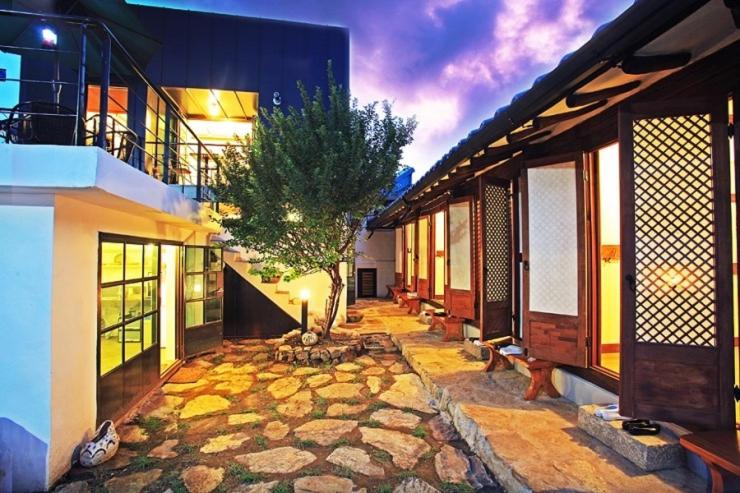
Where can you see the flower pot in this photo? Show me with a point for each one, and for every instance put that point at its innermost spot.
(270, 280)
(102, 447)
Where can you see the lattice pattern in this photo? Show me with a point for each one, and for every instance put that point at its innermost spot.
(497, 246)
(674, 231)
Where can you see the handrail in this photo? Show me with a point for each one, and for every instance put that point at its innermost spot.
(84, 21)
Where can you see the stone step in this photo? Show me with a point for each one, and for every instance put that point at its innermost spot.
(648, 452)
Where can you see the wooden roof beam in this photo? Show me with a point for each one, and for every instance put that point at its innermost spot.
(576, 99)
(549, 120)
(645, 64)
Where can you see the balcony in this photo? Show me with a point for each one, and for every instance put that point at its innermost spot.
(69, 81)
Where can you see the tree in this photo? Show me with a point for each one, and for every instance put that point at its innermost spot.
(308, 177)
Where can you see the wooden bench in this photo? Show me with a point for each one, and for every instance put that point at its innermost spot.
(720, 451)
(452, 326)
(540, 371)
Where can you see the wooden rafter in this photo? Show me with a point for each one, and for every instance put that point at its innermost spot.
(645, 64)
(549, 120)
(578, 99)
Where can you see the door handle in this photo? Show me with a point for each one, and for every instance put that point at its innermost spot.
(525, 265)
(630, 281)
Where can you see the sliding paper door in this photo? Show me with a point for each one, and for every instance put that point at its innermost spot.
(410, 246)
(554, 264)
(423, 257)
(399, 257)
(439, 255)
(461, 292)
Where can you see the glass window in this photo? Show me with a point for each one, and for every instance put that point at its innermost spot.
(150, 296)
(134, 261)
(132, 337)
(194, 287)
(151, 260)
(213, 310)
(110, 350)
(111, 306)
(214, 259)
(193, 314)
(213, 285)
(194, 259)
(150, 331)
(132, 300)
(111, 262)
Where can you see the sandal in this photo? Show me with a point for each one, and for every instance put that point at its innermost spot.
(641, 427)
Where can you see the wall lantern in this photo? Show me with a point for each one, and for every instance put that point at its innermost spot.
(304, 295)
(49, 38)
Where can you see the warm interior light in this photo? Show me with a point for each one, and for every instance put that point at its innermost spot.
(304, 294)
(213, 107)
(48, 38)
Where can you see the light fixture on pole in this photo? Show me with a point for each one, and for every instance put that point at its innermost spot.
(304, 310)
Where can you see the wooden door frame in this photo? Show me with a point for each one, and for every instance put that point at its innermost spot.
(723, 256)
(443, 208)
(428, 217)
(449, 291)
(736, 141)
(581, 319)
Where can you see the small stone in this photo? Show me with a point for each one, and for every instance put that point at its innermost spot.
(187, 375)
(244, 418)
(341, 391)
(132, 434)
(258, 348)
(374, 384)
(132, 483)
(284, 387)
(395, 418)
(341, 376)
(281, 460)
(318, 380)
(223, 368)
(204, 404)
(349, 367)
(374, 370)
(408, 392)
(297, 406)
(325, 431)
(206, 425)
(262, 377)
(442, 428)
(276, 430)
(398, 368)
(366, 360)
(357, 460)
(305, 370)
(404, 448)
(76, 487)
(179, 388)
(388, 362)
(221, 443)
(326, 483)
(202, 479)
(477, 475)
(262, 487)
(279, 368)
(451, 465)
(122, 459)
(260, 357)
(164, 450)
(234, 386)
(415, 485)
(335, 410)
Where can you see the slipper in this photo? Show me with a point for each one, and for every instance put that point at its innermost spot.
(641, 427)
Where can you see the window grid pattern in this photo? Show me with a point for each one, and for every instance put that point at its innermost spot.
(497, 247)
(203, 285)
(674, 231)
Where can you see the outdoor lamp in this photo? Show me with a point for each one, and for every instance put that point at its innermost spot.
(49, 38)
(304, 294)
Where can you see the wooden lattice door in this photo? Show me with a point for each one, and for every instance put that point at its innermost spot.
(676, 307)
(496, 266)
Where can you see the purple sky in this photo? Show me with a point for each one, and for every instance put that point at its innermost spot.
(449, 62)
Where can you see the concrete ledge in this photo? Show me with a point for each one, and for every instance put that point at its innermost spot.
(649, 453)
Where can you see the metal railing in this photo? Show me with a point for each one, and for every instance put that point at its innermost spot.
(78, 85)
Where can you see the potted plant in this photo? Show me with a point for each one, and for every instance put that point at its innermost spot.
(269, 273)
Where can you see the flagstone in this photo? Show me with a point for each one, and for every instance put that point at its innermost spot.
(245, 418)
(122, 459)
(220, 443)
(415, 485)
(223, 368)
(477, 475)
(164, 450)
(202, 479)
(306, 370)
(345, 409)
(201, 363)
(263, 377)
(204, 425)
(260, 357)
(179, 388)
(132, 483)
(451, 465)
(341, 391)
(204, 404)
(279, 368)
(398, 368)
(297, 406)
(325, 431)
(76, 487)
(404, 448)
(161, 406)
(388, 362)
(276, 430)
(395, 418)
(326, 483)
(341, 376)
(365, 360)
(262, 487)
(187, 375)
(132, 434)
(357, 460)
(284, 387)
(318, 380)
(374, 384)
(235, 386)
(408, 392)
(442, 428)
(374, 370)
(281, 460)
(348, 367)
(256, 348)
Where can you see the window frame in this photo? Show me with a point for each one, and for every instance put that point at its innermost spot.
(205, 271)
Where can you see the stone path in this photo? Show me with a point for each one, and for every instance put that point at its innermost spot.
(235, 421)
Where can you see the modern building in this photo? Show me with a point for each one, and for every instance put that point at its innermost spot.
(113, 117)
(593, 219)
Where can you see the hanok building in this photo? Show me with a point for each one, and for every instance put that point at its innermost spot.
(113, 117)
(593, 218)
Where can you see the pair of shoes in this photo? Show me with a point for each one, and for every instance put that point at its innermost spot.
(609, 413)
(641, 427)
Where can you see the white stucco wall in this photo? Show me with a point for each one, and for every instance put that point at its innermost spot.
(378, 252)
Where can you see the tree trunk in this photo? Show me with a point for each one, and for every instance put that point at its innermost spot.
(332, 303)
